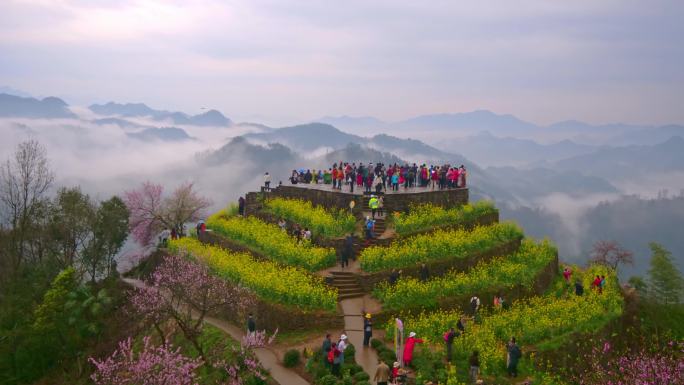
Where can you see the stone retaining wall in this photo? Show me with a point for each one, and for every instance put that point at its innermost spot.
(393, 202)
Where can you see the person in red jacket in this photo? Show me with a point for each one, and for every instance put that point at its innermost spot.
(408, 348)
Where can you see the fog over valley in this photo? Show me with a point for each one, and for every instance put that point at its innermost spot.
(571, 181)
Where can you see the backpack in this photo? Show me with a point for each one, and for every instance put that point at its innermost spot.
(331, 355)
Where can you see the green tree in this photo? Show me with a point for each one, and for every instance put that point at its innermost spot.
(665, 280)
(72, 218)
(639, 284)
(110, 229)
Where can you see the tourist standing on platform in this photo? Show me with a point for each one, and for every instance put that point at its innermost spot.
(340, 177)
(377, 182)
(462, 176)
(241, 206)
(267, 180)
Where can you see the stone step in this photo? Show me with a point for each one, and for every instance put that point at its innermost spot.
(341, 297)
(352, 285)
(346, 273)
(349, 290)
(348, 282)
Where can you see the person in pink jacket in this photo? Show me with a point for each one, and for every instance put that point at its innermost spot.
(408, 348)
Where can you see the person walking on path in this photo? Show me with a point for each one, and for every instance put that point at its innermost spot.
(382, 373)
(567, 273)
(367, 329)
(460, 326)
(449, 337)
(474, 304)
(347, 251)
(267, 181)
(514, 355)
(474, 363)
(373, 204)
(409, 346)
(335, 358)
(424, 273)
(251, 325)
(325, 349)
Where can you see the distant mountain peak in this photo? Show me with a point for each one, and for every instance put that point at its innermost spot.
(49, 107)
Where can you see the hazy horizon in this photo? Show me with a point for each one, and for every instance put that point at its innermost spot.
(291, 62)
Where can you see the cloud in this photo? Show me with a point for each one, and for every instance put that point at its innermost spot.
(544, 61)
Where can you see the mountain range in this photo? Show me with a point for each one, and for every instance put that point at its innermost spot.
(209, 118)
(12, 106)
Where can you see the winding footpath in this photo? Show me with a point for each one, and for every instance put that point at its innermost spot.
(267, 358)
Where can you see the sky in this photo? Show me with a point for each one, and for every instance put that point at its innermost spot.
(282, 62)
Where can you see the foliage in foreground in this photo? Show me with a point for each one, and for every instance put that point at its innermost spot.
(271, 282)
(425, 217)
(320, 221)
(272, 242)
(519, 269)
(662, 366)
(531, 321)
(437, 246)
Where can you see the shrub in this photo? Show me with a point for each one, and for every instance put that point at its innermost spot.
(438, 246)
(327, 380)
(291, 358)
(270, 281)
(268, 239)
(320, 221)
(349, 353)
(355, 368)
(425, 217)
(375, 343)
(361, 376)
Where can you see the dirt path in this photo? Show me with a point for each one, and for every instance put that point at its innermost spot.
(267, 358)
(353, 326)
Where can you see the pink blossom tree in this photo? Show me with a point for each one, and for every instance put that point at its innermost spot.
(186, 292)
(150, 212)
(153, 365)
(664, 366)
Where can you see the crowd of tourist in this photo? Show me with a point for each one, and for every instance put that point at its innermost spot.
(381, 177)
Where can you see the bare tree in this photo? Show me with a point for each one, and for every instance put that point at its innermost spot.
(24, 182)
(610, 253)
